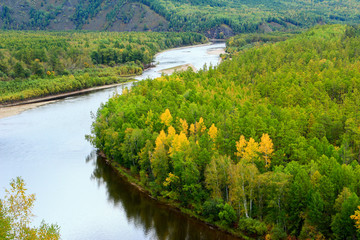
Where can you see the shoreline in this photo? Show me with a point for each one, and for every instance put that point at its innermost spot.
(134, 182)
(178, 48)
(11, 109)
(8, 110)
(169, 71)
(15, 110)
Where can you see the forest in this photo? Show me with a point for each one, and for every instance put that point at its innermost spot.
(266, 144)
(36, 64)
(215, 18)
(248, 40)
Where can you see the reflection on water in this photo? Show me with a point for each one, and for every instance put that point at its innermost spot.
(158, 221)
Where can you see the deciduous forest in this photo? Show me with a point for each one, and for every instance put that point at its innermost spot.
(36, 64)
(267, 144)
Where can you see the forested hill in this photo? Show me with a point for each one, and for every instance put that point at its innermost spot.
(215, 18)
(267, 143)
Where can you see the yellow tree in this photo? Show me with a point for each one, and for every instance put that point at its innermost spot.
(201, 125)
(356, 218)
(184, 126)
(171, 133)
(266, 148)
(251, 150)
(247, 150)
(213, 132)
(20, 206)
(17, 207)
(198, 127)
(193, 129)
(166, 117)
(179, 142)
(240, 146)
(160, 140)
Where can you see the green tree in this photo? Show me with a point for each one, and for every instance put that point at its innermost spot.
(342, 225)
(243, 176)
(298, 201)
(19, 70)
(216, 177)
(227, 215)
(5, 224)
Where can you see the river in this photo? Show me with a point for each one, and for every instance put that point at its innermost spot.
(85, 197)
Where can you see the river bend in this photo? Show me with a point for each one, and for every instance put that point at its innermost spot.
(74, 188)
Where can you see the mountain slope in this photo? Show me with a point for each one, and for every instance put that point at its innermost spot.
(215, 18)
(79, 14)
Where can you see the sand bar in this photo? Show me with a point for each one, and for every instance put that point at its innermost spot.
(178, 68)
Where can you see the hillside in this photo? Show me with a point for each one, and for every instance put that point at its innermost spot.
(215, 18)
(267, 143)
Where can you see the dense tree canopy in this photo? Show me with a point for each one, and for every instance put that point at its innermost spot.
(266, 143)
(216, 18)
(34, 64)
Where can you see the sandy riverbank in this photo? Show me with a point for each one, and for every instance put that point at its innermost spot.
(8, 110)
(178, 68)
(185, 66)
(216, 51)
(18, 107)
(189, 46)
(14, 110)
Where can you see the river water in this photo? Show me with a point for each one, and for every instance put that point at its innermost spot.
(85, 197)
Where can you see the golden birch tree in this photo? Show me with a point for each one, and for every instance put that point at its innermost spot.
(179, 142)
(166, 117)
(213, 131)
(266, 148)
(184, 126)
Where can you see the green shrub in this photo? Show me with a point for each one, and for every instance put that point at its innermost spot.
(227, 215)
(278, 233)
(211, 209)
(252, 226)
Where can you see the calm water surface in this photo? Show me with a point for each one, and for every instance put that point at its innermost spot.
(76, 190)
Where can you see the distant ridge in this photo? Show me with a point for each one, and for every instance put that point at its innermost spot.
(214, 18)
